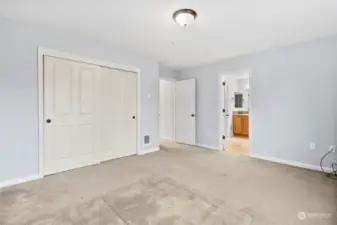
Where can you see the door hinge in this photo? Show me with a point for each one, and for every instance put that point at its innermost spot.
(223, 137)
(224, 83)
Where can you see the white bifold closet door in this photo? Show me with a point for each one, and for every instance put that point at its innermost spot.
(118, 113)
(90, 114)
(71, 93)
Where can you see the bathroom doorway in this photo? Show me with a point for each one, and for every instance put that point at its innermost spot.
(235, 108)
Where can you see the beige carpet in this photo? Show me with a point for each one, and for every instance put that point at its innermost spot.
(177, 185)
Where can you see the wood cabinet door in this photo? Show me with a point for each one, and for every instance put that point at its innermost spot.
(245, 125)
(237, 124)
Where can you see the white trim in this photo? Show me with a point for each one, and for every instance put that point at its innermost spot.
(55, 53)
(148, 151)
(247, 73)
(291, 163)
(41, 111)
(221, 103)
(207, 146)
(20, 180)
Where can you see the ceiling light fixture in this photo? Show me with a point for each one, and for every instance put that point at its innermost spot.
(184, 17)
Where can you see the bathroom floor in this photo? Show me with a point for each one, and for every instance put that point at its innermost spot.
(237, 145)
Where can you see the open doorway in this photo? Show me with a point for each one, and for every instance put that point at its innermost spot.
(235, 112)
(166, 110)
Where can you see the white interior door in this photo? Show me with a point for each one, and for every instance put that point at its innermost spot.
(71, 92)
(166, 109)
(118, 107)
(185, 112)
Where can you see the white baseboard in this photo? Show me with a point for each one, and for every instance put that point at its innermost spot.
(147, 151)
(292, 163)
(207, 146)
(20, 180)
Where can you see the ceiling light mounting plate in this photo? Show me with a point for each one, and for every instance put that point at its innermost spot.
(184, 17)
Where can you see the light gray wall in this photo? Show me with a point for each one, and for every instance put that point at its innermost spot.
(293, 98)
(19, 91)
(165, 72)
(335, 98)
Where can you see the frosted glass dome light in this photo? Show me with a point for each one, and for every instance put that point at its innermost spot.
(185, 17)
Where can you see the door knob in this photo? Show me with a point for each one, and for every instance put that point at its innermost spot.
(133, 117)
(48, 121)
(192, 115)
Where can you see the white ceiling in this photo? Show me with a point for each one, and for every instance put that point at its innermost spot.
(223, 29)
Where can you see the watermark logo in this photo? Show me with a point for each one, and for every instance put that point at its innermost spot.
(302, 215)
(316, 215)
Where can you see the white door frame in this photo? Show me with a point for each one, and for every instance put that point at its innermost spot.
(222, 78)
(174, 106)
(63, 55)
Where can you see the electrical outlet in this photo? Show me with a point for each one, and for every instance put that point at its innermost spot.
(312, 146)
(333, 148)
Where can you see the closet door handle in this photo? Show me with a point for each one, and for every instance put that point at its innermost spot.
(133, 117)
